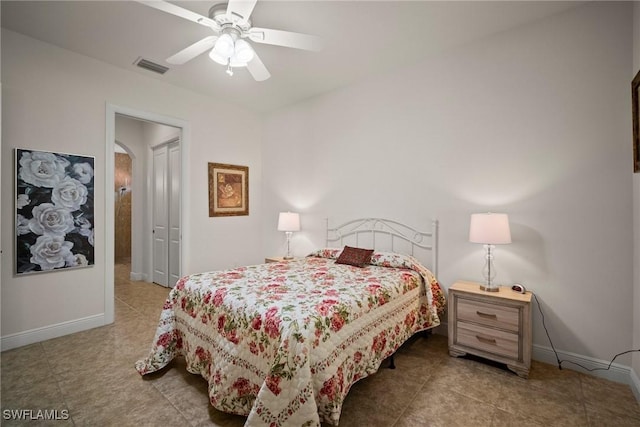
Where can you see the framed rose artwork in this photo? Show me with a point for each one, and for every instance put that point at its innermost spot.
(228, 190)
(54, 211)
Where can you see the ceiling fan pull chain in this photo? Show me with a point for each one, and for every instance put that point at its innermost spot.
(229, 70)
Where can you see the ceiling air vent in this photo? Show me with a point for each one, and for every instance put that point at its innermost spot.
(151, 66)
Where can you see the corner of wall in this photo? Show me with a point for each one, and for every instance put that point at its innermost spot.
(635, 361)
(635, 384)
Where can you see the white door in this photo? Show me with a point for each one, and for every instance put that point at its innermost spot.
(174, 214)
(166, 214)
(160, 232)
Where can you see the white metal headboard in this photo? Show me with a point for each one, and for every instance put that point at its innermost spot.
(392, 230)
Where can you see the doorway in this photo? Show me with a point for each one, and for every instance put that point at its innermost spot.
(122, 224)
(154, 127)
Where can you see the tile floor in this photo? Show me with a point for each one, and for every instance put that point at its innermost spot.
(91, 375)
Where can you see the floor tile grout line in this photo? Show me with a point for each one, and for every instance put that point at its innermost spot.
(182, 414)
(56, 377)
(415, 397)
(130, 306)
(126, 282)
(587, 401)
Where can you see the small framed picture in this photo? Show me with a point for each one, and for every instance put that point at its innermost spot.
(228, 190)
(635, 99)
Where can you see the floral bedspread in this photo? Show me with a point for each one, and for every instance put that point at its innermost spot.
(283, 342)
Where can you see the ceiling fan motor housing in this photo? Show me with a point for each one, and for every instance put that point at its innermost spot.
(218, 13)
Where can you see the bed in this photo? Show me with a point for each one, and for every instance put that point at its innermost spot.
(282, 343)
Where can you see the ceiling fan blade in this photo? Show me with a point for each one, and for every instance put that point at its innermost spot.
(257, 69)
(190, 52)
(285, 38)
(181, 12)
(241, 8)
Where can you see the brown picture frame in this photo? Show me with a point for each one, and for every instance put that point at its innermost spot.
(635, 110)
(228, 190)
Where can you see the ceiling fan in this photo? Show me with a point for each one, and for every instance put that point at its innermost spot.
(231, 24)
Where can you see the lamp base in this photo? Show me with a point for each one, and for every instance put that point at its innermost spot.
(489, 288)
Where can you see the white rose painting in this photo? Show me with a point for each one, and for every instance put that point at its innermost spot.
(54, 211)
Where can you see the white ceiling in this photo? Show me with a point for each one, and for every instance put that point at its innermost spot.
(362, 38)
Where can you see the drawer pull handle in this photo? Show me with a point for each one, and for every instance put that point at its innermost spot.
(486, 340)
(487, 315)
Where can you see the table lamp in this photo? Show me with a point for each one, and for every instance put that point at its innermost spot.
(288, 222)
(489, 229)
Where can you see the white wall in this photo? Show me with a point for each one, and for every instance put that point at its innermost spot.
(56, 100)
(636, 218)
(156, 134)
(533, 122)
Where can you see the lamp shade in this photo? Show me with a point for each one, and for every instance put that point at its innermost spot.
(224, 45)
(490, 228)
(215, 56)
(243, 51)
(289, 221)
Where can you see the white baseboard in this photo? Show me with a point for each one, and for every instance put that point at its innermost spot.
(618, 373)
(52, 331)
(138, 276)
(635, 384)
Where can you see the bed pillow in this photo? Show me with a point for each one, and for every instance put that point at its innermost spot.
(357, 257)
(331, 253)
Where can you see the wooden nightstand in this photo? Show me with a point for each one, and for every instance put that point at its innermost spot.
(493, 325)
(277, 259)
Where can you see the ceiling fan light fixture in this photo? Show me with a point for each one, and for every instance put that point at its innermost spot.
(243, 51)
(216, 57)
(224, 45)
(236, 63)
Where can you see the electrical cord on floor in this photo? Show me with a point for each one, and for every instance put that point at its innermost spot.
(560, 362)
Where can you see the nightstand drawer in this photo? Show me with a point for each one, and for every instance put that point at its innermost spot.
(486, 339)
(494, 315)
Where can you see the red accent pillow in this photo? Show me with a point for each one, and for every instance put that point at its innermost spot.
(355, 256)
